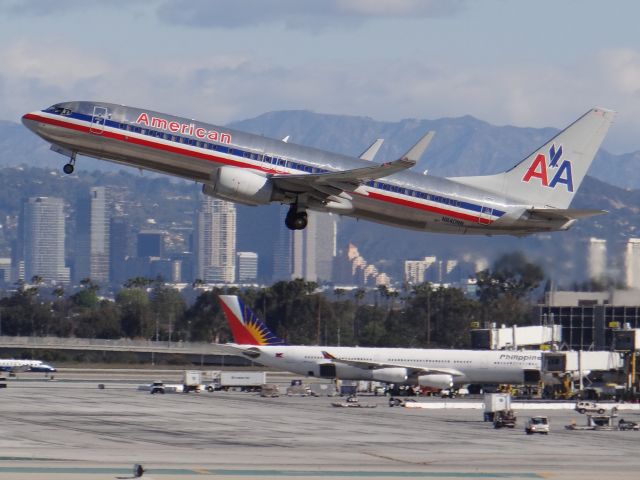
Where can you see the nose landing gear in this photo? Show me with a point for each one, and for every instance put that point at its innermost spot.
(296, 218)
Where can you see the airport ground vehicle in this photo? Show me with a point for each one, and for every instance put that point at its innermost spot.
(191, 381)
(3, 382)
(589, 407)
(537, 425)
(626, 425)
(157, 387)
(495, 403)
(244, 381)
(504, 418)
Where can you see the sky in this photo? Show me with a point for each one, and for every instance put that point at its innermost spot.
(527, 63)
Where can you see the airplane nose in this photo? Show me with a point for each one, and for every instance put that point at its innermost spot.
(28, 120)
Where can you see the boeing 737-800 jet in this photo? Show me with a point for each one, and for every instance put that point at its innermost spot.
(437, 368)
(533, 196)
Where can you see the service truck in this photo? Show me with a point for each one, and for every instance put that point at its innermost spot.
(191, 381)
(244, 381)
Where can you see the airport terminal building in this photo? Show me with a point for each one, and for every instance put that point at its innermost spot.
(588, 319)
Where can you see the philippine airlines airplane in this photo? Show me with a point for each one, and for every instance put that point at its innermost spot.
(13, 366)
(438, 368)
(533, 196)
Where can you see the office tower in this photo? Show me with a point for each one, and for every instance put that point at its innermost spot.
(151, 243)
(283, 251)
(597, 261)
(92, 237)
(313, 249)
(44, 237)
(120, 249)
(632, 263)
(415, 270)
(216, 241)
(247, 267)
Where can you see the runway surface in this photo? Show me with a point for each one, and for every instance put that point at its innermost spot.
(69, 428)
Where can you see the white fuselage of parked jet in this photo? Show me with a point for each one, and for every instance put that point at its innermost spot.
(429, 367)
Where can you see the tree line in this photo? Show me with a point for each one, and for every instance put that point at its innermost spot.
(298, 311)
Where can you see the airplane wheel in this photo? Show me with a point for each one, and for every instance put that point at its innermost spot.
(68, 169)
(296, 220)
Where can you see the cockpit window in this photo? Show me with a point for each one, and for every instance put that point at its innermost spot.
(58, 110)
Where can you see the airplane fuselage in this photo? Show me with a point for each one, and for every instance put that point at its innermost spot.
(195, 150)
(475, 366)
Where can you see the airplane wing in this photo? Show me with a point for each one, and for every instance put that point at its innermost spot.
(323, 185)
(562, 214)
(413, 370)
(370, 152)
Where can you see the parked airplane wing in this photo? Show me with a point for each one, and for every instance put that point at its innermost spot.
(377, 365)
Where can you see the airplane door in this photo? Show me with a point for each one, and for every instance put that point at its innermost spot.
(485, 216)
(98, 120)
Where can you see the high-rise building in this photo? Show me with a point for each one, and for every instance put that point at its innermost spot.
(283, 251)
(92, 237)
(216, 241)
(247, 267)
(307, 253)
(120, 248)
(415, 270)
(632, 263)
(44, 237)
(151, 243)
(597, 261)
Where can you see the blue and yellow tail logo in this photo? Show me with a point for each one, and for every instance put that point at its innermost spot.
(246, 327)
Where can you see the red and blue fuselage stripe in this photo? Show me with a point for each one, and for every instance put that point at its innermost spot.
(376, 188)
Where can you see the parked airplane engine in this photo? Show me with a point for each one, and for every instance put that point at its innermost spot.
(239, 185)
(436, 381)
(390, 375)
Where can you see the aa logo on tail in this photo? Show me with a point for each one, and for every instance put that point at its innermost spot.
(559, 170)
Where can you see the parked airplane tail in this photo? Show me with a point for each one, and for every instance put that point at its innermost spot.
(550, 176)
(246, 327)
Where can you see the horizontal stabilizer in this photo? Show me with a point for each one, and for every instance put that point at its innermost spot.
(563, 214)
(370, 152)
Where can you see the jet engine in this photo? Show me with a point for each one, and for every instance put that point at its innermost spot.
(438, 380)
(390, 375)
(239, 185)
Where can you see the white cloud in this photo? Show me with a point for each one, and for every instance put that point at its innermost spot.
(297, 14)
(221, 88)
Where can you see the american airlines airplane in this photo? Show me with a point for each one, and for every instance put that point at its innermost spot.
(437, 368)
(13, 366)
(533, 196)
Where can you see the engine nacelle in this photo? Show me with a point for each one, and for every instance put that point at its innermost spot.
(390, 375)
(438, 380)
(239, 185)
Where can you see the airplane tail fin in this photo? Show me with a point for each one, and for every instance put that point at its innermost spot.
(246, 327)
(550, 176)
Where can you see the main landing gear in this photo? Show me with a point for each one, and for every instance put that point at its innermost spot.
(69, 167)
(296, 218)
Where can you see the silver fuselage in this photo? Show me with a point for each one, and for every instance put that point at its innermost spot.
(193, 150)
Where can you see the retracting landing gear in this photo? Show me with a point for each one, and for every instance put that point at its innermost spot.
(69, 167)
(296, 218)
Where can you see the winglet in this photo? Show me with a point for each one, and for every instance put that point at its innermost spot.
(370, 152)
(328, 356)
(415, 152)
